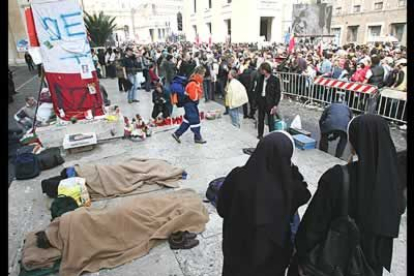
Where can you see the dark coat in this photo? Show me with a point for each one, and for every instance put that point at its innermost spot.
(187, 68)
(335, 117)
(324, 208)
(272, 92)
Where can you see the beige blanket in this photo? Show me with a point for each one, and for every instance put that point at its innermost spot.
(34, 257)
(129, 177)
(91, 239)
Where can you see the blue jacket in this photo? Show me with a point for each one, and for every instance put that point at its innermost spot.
(335, 117)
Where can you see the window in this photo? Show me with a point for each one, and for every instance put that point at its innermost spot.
(337, 33)
(402, 3)
(352, 33)
(195, 6)
(338, 10)
(209, 4)
(357, 8)
(374, 31)
(180, 21)
(209, 28)
(378, 5)
(397, 30)
(228, 23)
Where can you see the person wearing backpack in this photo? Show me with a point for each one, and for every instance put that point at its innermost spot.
(193, 92)
(258, 202)
(375, 205)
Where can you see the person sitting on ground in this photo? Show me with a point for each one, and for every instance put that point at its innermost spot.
(401, 77)
(25, 116)
(160, 99)
(257, 203)
(333, 124)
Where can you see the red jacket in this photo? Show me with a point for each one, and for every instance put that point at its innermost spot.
(194, 88)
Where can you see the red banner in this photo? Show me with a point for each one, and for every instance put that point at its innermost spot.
(31, 29)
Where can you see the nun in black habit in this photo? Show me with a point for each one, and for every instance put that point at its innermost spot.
(375, 196)
(257, 202)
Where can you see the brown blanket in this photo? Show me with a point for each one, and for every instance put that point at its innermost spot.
(91, 239)
(34, 257)
(129, 177)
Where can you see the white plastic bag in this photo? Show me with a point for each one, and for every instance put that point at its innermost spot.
(296, 123)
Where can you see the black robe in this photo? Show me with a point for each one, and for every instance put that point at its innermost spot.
(257, 202)
(375, 195)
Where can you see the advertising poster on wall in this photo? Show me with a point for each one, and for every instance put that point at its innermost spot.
(311, 19)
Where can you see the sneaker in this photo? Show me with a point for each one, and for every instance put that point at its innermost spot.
(176, 138)
(403, 127)
(135, 101)
(200, 141)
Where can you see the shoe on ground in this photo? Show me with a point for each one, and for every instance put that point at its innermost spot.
(135, 101)
(245, 117)
(225, 113)
(403, 127)
(129, 101)
(182, 242)
(200, 141)
(176, 138)
(186, 234)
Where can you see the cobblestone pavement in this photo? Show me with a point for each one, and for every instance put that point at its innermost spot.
(28, 209)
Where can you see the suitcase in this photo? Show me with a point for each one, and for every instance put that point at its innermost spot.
(304, 142)
(294, 131)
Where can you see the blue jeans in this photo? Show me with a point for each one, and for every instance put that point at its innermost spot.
(235, 116)
(131, 92)
(207, 89)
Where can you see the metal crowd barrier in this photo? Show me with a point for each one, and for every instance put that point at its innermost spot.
(361, 98)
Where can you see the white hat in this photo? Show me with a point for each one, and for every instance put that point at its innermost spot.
(401, 61)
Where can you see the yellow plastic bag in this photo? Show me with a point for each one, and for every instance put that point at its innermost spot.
(75, 187)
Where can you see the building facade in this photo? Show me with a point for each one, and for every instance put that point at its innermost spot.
(16, 30)
(367, 21)
(238, 21)
(157, 19)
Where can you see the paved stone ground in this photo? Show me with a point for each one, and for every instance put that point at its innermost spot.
(28, 207)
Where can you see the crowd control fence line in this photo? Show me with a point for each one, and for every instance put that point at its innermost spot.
(361, 98)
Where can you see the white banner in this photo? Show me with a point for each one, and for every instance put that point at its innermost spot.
(62, 36)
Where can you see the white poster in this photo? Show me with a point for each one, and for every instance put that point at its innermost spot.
(62, 36)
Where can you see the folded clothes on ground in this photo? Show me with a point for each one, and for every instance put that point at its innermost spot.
(89, 239)
(129, 177)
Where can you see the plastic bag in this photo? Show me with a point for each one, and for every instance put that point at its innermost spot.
(296, 123)
(75, 187)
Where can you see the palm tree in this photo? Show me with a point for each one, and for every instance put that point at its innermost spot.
(99, 27)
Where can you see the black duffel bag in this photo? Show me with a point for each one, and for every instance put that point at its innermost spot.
(50, 158)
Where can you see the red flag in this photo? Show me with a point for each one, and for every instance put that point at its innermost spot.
(31, 29)
(291, 43)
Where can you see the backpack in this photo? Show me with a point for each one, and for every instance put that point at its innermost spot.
(26, 164)
(340, 254)
(177, 87)
(50, 186)
(50, 158)
(213, 189)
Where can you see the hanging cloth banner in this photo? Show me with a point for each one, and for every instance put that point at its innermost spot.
(31, 29)
(67, 59)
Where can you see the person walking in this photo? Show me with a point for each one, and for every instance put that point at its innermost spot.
(267, 97)
(29, 61)
(236, 97)
(249, 78)
(375, 197)
(101, 59)
(194, 92)
(333, 124)
(131, 68)
(257, 203)
(207, 79)
(110, 63)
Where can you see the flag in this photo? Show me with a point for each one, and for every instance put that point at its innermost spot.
(31, 29)
(320, 48)
(291, 43)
